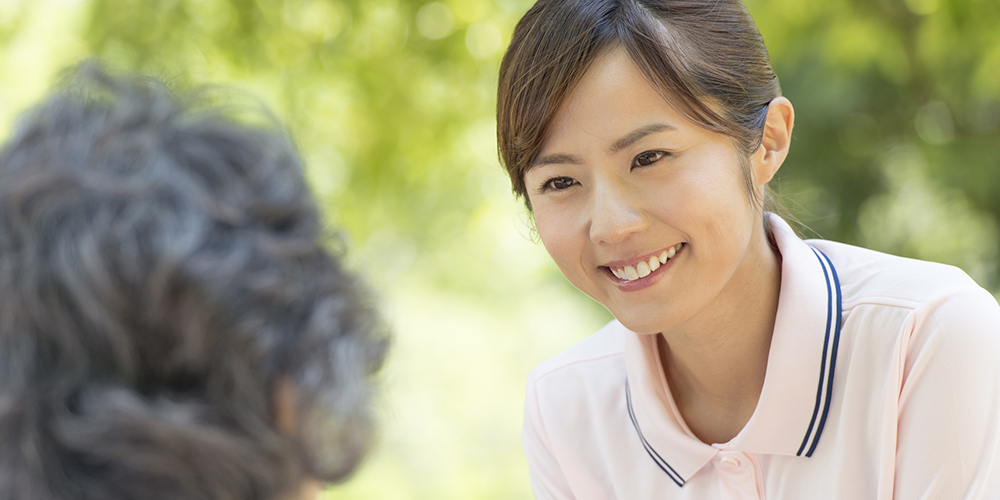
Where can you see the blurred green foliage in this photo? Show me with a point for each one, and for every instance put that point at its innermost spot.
(898, 123)
(897, 147)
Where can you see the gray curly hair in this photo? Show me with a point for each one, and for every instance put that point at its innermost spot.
(162, 268)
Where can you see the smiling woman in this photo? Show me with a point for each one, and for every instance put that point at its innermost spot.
(625, 177)
(642, 135)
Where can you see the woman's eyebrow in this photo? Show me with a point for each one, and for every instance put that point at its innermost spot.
(555, 159)
(619, 145)
(639, 133)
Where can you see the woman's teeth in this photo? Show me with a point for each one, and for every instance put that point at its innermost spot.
(643, 268)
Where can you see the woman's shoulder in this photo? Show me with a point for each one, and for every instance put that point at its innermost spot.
(600, 351)
(579, 392)
(872, 277)
(936, 305)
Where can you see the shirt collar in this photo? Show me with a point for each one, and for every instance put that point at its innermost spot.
(795, 399)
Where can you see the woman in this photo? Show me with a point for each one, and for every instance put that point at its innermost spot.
(743, 362)
(172, 325)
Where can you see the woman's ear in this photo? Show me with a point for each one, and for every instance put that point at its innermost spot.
(285, 406)
(776, 141)
(286, 420)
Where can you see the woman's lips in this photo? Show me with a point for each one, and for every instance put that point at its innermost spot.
(644, 267)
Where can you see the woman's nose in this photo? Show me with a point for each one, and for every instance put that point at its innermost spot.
(615, 215)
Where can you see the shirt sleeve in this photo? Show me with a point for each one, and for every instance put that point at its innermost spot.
(547, 479)
(948, 443)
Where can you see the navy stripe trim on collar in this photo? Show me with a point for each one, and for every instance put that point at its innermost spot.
(649, 448)
(824, 391)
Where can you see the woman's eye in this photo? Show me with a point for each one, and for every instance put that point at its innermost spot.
(647, 158)
(558, 183)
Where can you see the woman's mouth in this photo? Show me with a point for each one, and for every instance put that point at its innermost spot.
(645, 267)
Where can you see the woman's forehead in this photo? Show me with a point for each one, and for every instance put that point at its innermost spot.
(611, 100)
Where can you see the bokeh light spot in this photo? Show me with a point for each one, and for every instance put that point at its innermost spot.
(316, 19)
(483, 39)
(935, 124)
(435, 21)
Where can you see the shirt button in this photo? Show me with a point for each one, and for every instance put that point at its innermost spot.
(730, 462)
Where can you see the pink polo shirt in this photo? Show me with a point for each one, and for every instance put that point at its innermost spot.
(883, 381)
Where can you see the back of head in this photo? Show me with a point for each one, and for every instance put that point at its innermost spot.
(163, 273)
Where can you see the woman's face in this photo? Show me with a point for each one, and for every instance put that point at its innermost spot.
(622, 182)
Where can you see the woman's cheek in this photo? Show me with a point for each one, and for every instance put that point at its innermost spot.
(564, 242)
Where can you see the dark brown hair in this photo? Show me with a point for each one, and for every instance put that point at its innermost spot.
(162, 268)
(706, 57)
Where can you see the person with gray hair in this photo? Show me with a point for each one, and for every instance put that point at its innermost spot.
(173, 323)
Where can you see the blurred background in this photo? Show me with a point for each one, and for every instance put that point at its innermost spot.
(897, 148)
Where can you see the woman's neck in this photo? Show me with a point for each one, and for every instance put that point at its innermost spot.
(715, 363)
